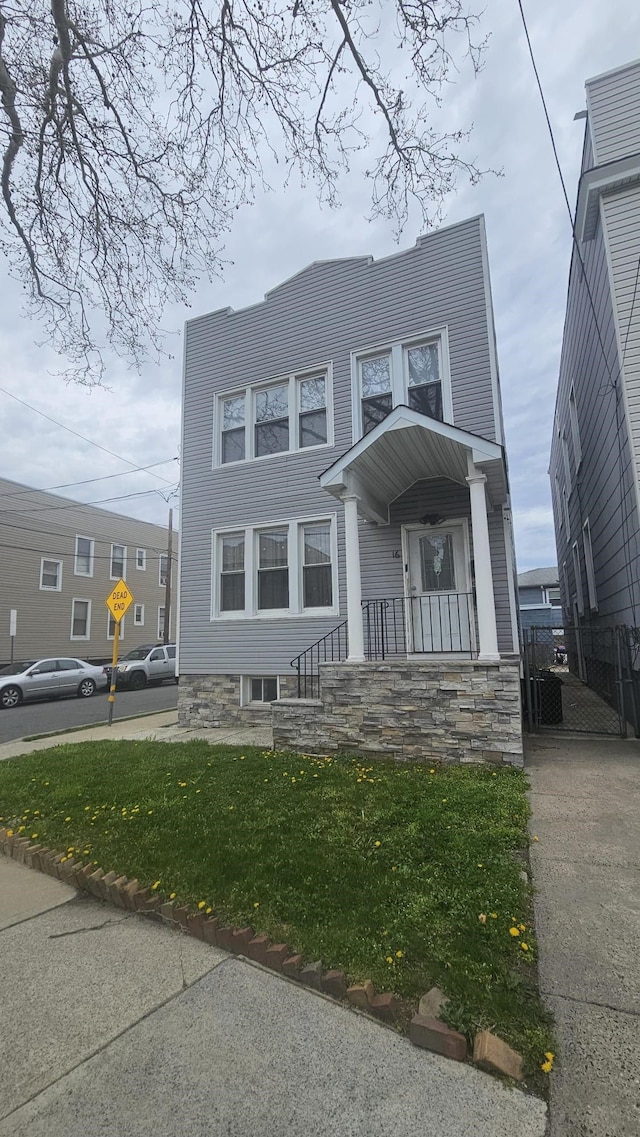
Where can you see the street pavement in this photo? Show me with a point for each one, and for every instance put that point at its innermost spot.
(116, 1027)
(46, 716)
(585, 800)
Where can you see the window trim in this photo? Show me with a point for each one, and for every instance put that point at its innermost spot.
(81, 600)
(397, 349)
(251, 533)
(143, 566)
(575, 427)
(293, 378)
(92, 543)
(162, 608)
(245, 691)
(565, 506)
(121, 632)
(51, 587)
(564, 446)
(123, 574)
(587, 548)
(138, 623)
(577, 573)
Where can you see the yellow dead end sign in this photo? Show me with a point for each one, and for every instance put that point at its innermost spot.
(118, 601)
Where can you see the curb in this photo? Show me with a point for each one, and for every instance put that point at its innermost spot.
(90, 726)
(427, 1033)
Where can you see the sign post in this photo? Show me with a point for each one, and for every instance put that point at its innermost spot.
(13, 621)
(118, 600)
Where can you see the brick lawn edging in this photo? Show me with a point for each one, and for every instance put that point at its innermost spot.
(425, 1029)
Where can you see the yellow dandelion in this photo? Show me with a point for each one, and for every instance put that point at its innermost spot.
(33, 836)
(494, 915)
(149, 812)
(389, 959)
(156, 884)
(399, 954)
(172, 896)
(393, 868)
(67, 819)
(21, 828)
(480, 866)
(202, 904)
(522, 927)
(209, 911)
(377, 844)
(9, 832)
(514, 931)
(256, 904)
(432, 771)
(549, 1055)
(525, 947)
(546, 1067)
(536, 838)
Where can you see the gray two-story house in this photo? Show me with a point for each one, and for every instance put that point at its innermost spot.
(347, 560)
(595, 453)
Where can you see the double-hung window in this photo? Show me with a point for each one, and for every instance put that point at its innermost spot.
(286, 569)
(80, 619)
(141, 559)
(50, 575)
(83, 563)
(118, 561)
(273, 569)
(281, 417)
(412, 373)
(138, 615)
(232, 590)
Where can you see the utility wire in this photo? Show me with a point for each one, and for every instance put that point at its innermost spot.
(82, 504)
(84, 482)
(98, 445)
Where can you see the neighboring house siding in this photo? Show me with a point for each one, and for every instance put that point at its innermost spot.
(318, 317)
(602, 490)
(614, 108)
(37, 524)
(530, 596)
(541, 618)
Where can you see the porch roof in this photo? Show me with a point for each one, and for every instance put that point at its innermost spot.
(407, 447)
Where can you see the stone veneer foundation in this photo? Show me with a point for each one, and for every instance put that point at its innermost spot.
(445, 710)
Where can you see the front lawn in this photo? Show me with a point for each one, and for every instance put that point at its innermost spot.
(404, 874)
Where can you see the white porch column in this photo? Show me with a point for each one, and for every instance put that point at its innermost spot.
(487, 630)
(354, 583)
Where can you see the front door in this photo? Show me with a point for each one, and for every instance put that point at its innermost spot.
(440, 612)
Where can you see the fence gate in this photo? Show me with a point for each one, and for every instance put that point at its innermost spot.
(584, 680)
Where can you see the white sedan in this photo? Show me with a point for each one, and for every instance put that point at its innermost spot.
(49, 679)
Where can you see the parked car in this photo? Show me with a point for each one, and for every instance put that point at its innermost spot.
(49, 679)
(147, 664)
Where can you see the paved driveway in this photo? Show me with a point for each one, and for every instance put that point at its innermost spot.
(585, 798)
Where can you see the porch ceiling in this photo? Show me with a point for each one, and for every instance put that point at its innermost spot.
(407, 447)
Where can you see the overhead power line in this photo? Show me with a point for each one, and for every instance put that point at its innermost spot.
(80, 505)
(84, 438)
(84, 481)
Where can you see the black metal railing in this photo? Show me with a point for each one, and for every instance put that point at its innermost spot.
(399, 626)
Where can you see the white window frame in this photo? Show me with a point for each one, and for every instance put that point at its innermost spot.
(293, 379)
(564, 445)
(165, 556)
(141, 567)
(397, 349)
(565, 506)
(588, 564)
(123, 575)
(575, 428)
(81, 600)
(577, 572)
(138, 610)
(92, 545)
(161, 608)
(110, 635)
(295, 565)
(57, 587)
(558, 501)
(245, 690)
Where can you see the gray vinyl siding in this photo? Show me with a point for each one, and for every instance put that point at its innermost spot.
(603, 489)
(614, 105)
(320, 316)
(530, 595)
(36, 524)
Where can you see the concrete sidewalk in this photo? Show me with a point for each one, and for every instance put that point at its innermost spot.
(585, 799)
(160, 727)
(115, 1027)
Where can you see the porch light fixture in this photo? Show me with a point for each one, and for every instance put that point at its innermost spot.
(431, 519)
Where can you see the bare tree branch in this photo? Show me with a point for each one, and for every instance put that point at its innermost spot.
(131, 131)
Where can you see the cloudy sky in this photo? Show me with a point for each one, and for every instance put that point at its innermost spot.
(138, 416)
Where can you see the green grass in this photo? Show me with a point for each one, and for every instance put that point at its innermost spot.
(381, 870)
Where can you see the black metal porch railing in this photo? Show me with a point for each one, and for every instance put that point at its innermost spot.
(396, 627)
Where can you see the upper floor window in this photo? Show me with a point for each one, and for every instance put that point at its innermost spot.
(413, 373)
(276, 418)
(286, 569)
(50, 575)
(141, 559)
(80, 619)
(138, 615)
(118, 561)
(163, 573)
(575, 430)
(83, 564)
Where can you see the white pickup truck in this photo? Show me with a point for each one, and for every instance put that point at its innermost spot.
(147, 664)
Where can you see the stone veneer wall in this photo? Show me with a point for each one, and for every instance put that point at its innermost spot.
(432, 710)
(206, 701)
